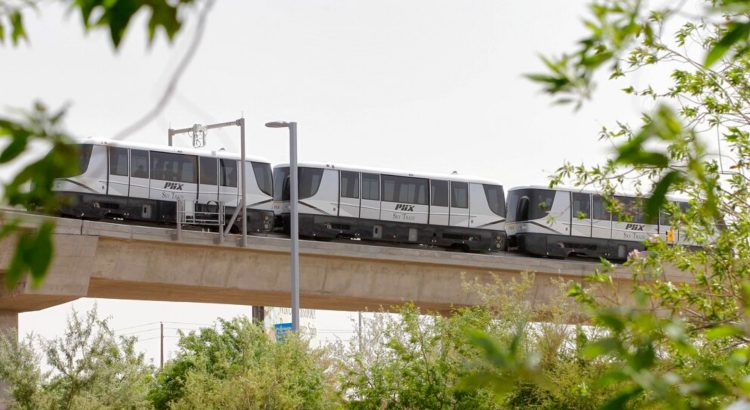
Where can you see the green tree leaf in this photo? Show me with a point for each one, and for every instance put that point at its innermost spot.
(734, 34)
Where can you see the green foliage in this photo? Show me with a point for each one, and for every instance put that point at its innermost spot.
(11, 17)
(676, 345)
(89, 368)
(240, 367)
(20, 370)
(412, 361)
(31, 188)
(116, 16)
(488, 357)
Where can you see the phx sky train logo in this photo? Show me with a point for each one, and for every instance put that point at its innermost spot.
(634, 227)
(173, 185)
(405, 207)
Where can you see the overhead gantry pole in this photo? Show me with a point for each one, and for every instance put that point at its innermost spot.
(243, 201)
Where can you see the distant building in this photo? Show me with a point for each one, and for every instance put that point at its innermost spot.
(275, 315)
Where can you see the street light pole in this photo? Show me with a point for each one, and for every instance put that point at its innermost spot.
(294, 217)
(293, 199)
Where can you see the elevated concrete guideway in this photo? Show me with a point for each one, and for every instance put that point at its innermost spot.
(108, 260)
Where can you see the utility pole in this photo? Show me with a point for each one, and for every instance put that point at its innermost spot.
(359, 330)
(161, 356)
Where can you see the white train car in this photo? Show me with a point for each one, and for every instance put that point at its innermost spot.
(140, 182)
(449, 211)
(565, 222)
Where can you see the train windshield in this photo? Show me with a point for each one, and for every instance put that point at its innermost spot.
(529, 204)
(281, 184)
(263, 177)
(84, 157)
(309, 182)
(495, 198)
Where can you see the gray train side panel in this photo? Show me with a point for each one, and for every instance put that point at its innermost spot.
(480, 214)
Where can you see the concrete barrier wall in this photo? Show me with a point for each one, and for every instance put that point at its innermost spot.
(98, 259)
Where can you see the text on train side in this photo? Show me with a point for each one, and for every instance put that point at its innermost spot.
(173, 185)
(404, 207)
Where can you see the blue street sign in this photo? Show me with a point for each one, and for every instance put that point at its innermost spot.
(281, 330)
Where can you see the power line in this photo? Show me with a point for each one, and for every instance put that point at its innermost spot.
(136, 326)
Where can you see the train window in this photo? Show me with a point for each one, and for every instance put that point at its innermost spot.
(84, 156)
(371, 187)
(600, 209)
(439, 193)
(174, 167)
(541, 201)
(138, 163)
(263, 177)
(495, 198)
(228, 172)
(188, 169)
(629, 209)
(459, 195)
(389, 188)
(209, 174)
(514, 198)
(118, 161)
(281, 183)
(309, 181)
(349, 184)
(621, 209)
(581, 206)
(404, 189)
(530, 204)
(665, 217)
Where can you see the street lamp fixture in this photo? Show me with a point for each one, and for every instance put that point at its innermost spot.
(294, 218)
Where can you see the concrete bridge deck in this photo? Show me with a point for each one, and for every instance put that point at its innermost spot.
(109, 260)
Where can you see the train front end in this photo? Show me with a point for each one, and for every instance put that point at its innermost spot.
(79, 194)
(536, 217)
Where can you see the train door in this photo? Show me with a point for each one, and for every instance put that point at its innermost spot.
(228, 173)
(405, 199)
(208, 181)
(630, 224)
(349, 194)
(667, 231)
(601, 222)
(173, 176)
(119, 175)
(680, 236)
(580, 215)
(459, 212)
(139, 173)
(370, 204)
(440, 202)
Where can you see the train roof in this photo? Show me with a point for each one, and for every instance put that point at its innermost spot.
(177, 150)
(387, 171)
(587, 191)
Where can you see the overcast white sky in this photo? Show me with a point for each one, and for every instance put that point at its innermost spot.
(431, 86)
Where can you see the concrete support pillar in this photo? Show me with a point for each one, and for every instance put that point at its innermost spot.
(259, 314)
(8, 321)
